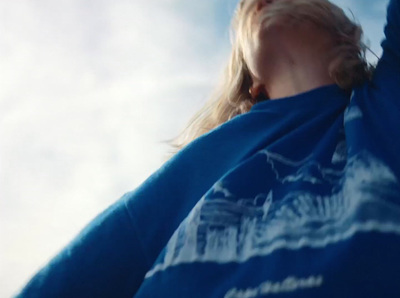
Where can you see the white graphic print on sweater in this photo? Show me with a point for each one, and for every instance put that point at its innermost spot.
(228, 229)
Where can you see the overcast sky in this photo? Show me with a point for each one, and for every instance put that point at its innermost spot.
(88, 91)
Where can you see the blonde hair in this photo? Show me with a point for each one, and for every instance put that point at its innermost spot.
(348, 68)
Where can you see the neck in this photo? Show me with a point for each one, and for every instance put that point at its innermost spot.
(299, 63)
(295, 75)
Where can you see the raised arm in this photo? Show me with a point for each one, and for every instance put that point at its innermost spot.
(391, 45)
(387, 74)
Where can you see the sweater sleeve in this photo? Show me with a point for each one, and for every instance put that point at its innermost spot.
(111, 256)
(391, 44)
(387, 74)
(104, 260)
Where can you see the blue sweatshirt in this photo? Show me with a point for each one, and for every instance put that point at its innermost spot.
(300, 197)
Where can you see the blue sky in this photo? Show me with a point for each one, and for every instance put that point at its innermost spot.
(89, 89)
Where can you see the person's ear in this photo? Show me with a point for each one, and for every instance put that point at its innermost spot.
(255, 91)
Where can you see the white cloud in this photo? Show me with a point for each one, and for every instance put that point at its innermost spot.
(89, 89)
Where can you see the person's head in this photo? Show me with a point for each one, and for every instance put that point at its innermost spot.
(347, 68)
(261, 28)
